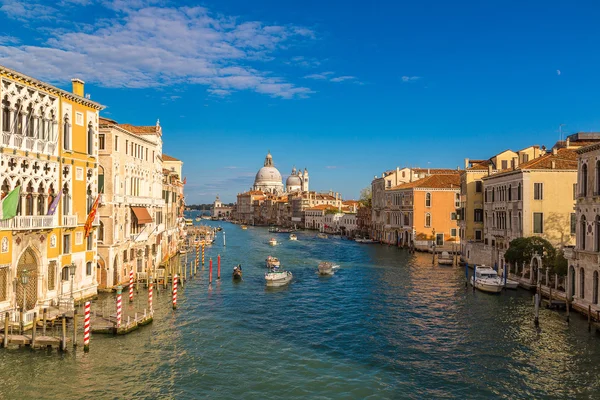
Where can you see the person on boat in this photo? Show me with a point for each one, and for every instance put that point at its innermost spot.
(239, 267)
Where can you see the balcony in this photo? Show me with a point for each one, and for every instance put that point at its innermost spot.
(117, 199)
(69, 221)
(29, 222)
(28, 143)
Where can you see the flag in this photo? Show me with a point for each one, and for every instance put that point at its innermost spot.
(90, 218)
(54, 204)
(185, 180)
(9, 204)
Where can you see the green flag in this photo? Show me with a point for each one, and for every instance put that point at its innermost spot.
(9, 204)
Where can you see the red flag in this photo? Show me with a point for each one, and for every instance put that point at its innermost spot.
(185, 180)
(91, 216)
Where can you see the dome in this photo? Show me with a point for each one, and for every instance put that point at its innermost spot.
(293, 180)
(268, 175)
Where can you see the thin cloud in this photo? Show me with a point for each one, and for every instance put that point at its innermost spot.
(163, 46)
(319, 76)
(343, 78)
(558, 72)
(333, 167)
(407, 79)
(305, 62)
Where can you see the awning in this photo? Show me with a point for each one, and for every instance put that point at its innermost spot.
(142, 215)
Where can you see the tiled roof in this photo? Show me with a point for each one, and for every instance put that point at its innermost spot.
(438, 181)
(140, 130)
(323, 207)
(563, 159)
(350, 202)
(435, 170)
(106, 121)
(169, 158)
(483, 165)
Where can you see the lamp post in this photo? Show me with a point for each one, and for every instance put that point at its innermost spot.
(24, 281)
(72, 269)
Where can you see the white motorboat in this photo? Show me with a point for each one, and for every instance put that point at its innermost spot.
(325, 268)
(273, 242)
(363, 240)
(510, 284)
(293, 237)
(321, 235)
(275, 277)
(487, 280)
(445, 258)
(272, 262)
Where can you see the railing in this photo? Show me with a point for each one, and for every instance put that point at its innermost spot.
(17, 141)
(139, 237)
(41, 146)
(27, 222)
(5, 139)
(117, 198)
(69, 221)
(28, 143)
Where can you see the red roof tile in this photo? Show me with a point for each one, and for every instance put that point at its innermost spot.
(438, 181)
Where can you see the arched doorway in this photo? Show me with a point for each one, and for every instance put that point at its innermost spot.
(28, 262)
(101, 273)
(595, 288)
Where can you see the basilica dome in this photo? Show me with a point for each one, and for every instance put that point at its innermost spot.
(267, 175)
(293, 180)
(268, 179)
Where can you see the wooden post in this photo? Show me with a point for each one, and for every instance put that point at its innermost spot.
(63, 344)
(33, 329)
(536, 298)
(589, 317)
(567, 302)
(44, 326)
(6, 319)
(75, 328)
(550, 299)
(21, 321)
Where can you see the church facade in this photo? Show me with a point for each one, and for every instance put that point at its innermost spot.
(268, 179)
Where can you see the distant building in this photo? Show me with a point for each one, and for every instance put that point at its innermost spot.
(218, 210)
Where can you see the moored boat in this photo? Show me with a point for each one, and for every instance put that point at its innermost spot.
(487, 280)
(293, 237)
(272, 262)
(197, 219)
(364, 240)
(189, 222)
(445, 258)
(219, 229)
(237, 272)
(321, 235)
(511, 284)
(273, 242)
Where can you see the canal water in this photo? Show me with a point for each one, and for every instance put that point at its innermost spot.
(386, 325)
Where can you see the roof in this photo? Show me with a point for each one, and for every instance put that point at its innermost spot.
(169, 158)
(438, 181)
(106, 121)
(323, 207)
(481, 165)
(435, 170)
(563, 159)
(140, 130)
(350, 202)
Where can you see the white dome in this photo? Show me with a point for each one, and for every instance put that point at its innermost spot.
(268, 175)
(293, 180)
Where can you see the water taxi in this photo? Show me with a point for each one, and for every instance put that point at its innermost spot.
(325, 268)
(364, 240)
(272, 262)
(293, 237)
(275, 277)
(244, 227)
(486, 279)
(273, 242)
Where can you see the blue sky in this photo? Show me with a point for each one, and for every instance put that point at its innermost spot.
(346, 89)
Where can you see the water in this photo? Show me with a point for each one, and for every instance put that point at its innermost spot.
(387, 325)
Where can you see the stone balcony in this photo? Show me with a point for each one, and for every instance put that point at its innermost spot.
(69, 221)
(29, 222)
(27, 143)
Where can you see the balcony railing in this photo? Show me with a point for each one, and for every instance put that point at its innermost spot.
(69, 221)
(27, 222)
(28, 143)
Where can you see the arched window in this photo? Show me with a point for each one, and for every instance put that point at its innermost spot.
(427, 220)
(519, 191)
(597, 184)
(66, 200)
(597, 233)
(29, 200)
(582, 283)
(584, 177)
(66, 133)
(19, 121)
(493, 194)
(520, 222)
(509, 193)
(582, 228)
(90, 139)
(5, 114)
(30, 121)
(595, 285)
(427, 199)
(51, 129)
(88, 268)
(64, 275)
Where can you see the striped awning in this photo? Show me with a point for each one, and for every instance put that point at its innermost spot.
(142, 215)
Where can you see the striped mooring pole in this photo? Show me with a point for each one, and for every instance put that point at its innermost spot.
(150, 290)
(119, 305)
(210, 271)
(203, 254)
(175, 292)
(86, 326)
(197, 254)
(218, 267)
(131, 285)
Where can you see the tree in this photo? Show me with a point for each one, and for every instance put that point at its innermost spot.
(522, 250)
(365, 196)
(560, 266)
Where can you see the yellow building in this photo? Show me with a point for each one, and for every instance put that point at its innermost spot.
(48, 148)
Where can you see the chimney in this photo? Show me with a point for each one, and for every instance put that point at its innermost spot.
(568, 141)
(411, 175)
(489, 169)
(553, 164)
(77, 86)
(554, 151)
(466, 163)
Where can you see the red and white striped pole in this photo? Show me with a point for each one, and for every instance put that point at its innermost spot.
(150, 290)
(210, 271)
(203, 254)
(86, 326)
(119, 305)
(175, 292)
(131, 285)
(218, 267)
(197, 254)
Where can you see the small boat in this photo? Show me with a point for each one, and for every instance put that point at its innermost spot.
(293, 237)
(219, 229)
(364, 240)
(284, 230)
(237, 273)
(487, 280)
(273, 229)
(445, 259)
(325, 268)
(206, 217)
(321, 235)
(273, 242)
(272, 262)
(511, 284)
(244, 227)
(197, 219)
(275, 277)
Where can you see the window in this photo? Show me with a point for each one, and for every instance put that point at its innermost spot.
(439, 239)
(582, 235)
(66, 244)
(427, 220)
(538, 222)
(457, 200)
(64, 275)
(90, 139)
(525, 158)
(4, 282)
(584, 177)
(510, 220)
(597, 234)
(124, 255)
(519, 191)
(88, 268)
(116, 143)
(486, 196)
(427, 199)
(90, 242)
(574, 191)
(478, 215)
(582, 283)
(573, 223)
(595, 288)
(478, 186)
(493, 195)
(52, 275)
(453, 216)
(478, 235)
(126, 146)
(538, 191)
(101, 232)
(504, 164)
(5, 114)
(597, 180)
(453, 232)
(101, 145)
(509, 193)
(79, 118)
(66, 134)
(520, 221)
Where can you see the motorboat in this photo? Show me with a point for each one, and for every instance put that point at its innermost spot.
(244, 227)
(273, 242)
(237, 273)
(273, 229)
(364, 240)
(293, 237)
(276, 277)
(511, 284)
(326, 268)
(445, 258)
(321, 235)
(272, 262)
(219, 229)
(486, 279)
(197, 219)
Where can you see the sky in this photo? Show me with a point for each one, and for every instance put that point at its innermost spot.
(347, 89)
